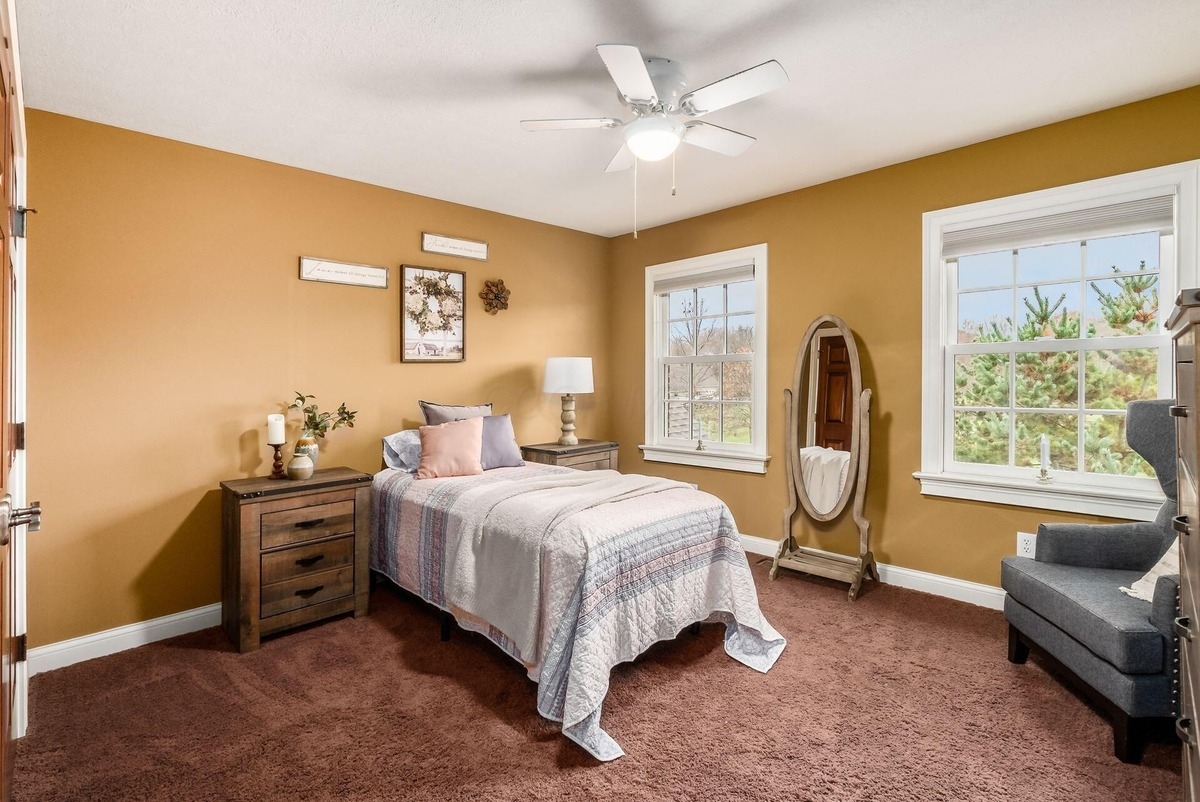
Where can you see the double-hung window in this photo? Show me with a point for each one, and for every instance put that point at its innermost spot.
(706, 343)
(1044, 318)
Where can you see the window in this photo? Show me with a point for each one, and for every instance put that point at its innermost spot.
(706, 343)
(1044, 317)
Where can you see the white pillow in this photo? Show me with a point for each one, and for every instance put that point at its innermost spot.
(402, 450)
(1167, 564)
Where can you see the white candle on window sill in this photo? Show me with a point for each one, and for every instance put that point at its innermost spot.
(1045, 453)
(275, 430)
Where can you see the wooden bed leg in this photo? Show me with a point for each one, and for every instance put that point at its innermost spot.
(694, 628)
(447, 626)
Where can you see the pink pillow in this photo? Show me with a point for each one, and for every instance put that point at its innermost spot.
(451, 449)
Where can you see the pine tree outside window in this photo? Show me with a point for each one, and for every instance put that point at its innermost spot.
(1045, 318)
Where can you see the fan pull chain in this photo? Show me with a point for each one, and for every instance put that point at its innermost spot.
(673, 173)
(635, 164)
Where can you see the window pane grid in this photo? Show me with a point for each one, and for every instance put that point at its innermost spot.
(701, 334)
(1073, 314)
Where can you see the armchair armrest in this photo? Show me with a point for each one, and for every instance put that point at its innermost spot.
(1162, 609)
(1127, 546)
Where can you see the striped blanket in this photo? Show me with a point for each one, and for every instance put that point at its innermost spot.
(614, 577)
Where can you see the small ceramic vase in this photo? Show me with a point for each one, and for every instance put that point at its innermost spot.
(309, 446)
(301, 467)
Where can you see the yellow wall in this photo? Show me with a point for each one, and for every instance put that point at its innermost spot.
(852, 247)
(166, 320)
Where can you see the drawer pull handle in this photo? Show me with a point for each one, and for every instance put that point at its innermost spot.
(309, 562)
(1183, 627)
(308, 593)
(310, 524)
(1178, 411)
(1183, 728)
(1180, 524)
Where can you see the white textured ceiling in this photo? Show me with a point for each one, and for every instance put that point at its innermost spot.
(425, 96)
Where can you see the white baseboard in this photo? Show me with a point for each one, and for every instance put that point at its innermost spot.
(111, 641)
(972, 592)
(100, 644)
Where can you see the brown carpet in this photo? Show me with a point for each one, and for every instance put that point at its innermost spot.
(899, 696)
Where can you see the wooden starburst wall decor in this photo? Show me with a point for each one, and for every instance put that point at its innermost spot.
(494, 295)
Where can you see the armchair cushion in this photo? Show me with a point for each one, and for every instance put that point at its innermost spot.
(1124, 546)
(1165, 605)
(1086, 605)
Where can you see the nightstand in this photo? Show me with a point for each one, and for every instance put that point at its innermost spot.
(588, 455)
(293, 552)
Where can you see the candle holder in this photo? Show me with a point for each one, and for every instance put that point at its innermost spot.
(1043, 477)
(277, 471)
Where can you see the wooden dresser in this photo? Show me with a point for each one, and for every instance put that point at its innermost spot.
(587, 455)
(1183, 324)
(294, 552)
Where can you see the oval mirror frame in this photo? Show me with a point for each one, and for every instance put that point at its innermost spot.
(799, 414)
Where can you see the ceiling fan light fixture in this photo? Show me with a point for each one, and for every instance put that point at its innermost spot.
(653, 138)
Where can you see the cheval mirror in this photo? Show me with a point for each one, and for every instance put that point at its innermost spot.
(827, 407)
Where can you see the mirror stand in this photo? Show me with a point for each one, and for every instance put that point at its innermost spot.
(828, 371)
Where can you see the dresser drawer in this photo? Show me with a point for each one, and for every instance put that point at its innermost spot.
(307, 523)
(1185, 345)
(308, 590)
(313, 558)
(1185, 428)
(587, 464)
(1187, 710)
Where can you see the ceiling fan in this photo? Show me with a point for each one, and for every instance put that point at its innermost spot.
(654, 89)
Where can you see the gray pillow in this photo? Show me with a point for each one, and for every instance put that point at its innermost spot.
(444, 413)
(500, 449)
(402, 450)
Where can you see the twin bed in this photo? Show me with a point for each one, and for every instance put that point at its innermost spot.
(571, 573)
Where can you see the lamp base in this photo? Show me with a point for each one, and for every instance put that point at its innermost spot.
(568, 437)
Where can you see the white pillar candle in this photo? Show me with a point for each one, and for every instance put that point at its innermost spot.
(1045, 452)
(275, 431)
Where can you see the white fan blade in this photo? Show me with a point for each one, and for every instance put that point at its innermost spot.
(714, 137)
(628, 70)
(622, 161)
(561, 125)
(734, 89)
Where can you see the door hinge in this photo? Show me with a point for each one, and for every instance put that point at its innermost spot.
(18, 222)
(19, 436)
(22, 650)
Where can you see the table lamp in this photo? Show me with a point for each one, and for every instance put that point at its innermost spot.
(568, 375)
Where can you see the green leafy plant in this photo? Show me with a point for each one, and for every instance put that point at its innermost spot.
(318, 422)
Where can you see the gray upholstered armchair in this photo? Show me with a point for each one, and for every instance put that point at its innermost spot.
(1065, 602)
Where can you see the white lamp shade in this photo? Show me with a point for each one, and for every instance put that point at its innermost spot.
(567, 375)
(653, 138)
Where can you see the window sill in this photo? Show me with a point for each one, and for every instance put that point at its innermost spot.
(721, 460)
(1135, 505)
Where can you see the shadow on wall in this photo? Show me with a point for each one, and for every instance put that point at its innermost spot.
(186, 571)
(518, 392)
(250, 451)
(880, 467)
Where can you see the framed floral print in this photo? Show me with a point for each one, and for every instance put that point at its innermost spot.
(431, 308)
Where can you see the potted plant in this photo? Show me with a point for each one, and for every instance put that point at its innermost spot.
(317, 423)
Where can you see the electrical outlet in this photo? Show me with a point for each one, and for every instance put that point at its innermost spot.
(1026, 544)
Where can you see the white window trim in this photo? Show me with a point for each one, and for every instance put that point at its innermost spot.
(1091, 495)
(730, 457)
